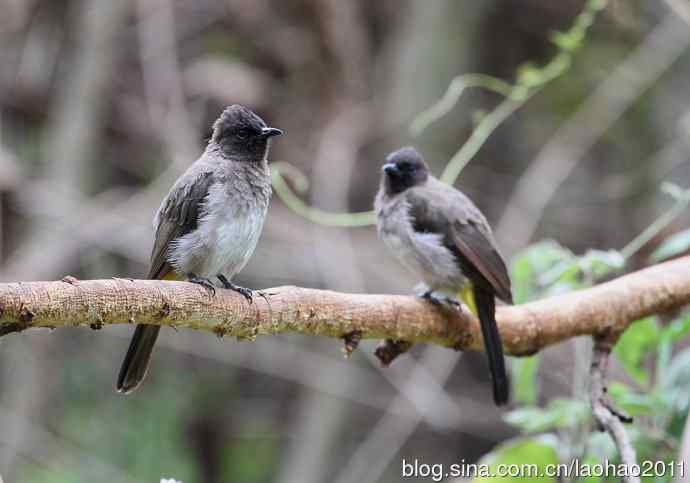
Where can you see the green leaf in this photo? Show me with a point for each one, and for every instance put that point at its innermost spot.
(633, 403)
(675, 386)
(600, 447)
(596, 5)
(590, 461)
(529, 265)
(565, 276)
(664, 350)
(678, 371)
(672, 246)
(538, 452)
(677, 329)
(599, 263)
(524, 380)
(521, 278)
(560, 413)
(249, 459)
(635, 344)
(36, 474)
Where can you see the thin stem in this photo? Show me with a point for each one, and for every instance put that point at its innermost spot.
(479, 136)
(455, 89)
(316, 215)
(679, 207)
(530, 81)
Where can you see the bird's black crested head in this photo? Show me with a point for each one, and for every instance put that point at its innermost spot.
(242, 134)
(404, 169)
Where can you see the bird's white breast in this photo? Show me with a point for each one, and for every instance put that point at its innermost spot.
(422, 253)
(227, 233)
(232, 231)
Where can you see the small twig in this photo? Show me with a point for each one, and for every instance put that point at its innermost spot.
(515, 97)
(609, 418)
(561, 155)
(450, 98)
(682, 199)
(315, 215)
(351, 340)
(486, 127)
(680, 8)
(389, 349)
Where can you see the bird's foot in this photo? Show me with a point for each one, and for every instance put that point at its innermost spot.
(204, 282)
(429, 295)
(264, 295)
(452, 302)
(247, 293)
(439, 301)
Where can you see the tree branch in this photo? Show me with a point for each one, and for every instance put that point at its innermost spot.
(602, 311)
(607, 416)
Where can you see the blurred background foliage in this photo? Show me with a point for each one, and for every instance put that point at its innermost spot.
(573, 117)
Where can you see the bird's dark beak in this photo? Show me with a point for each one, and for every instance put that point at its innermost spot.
(269, 132)
(390, 169)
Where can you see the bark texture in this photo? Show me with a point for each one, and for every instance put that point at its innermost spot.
(602, 311)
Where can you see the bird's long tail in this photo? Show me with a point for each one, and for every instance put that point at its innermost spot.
(138, 357)
(486, 311)
(136, 363)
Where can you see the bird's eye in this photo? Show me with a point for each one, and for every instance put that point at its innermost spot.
(405, 166)
(243, 134)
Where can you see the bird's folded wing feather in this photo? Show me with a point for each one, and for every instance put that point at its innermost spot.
(484, 256)
(178, 216)
(465, 233)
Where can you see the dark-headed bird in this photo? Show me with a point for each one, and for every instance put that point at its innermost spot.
(209, 223)
(443, 238)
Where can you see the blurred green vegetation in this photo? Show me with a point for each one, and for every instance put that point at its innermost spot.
(653, 353)
(197, 425)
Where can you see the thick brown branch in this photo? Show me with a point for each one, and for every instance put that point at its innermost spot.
(600, 311)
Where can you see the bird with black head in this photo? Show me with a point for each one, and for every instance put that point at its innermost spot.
(209, 223)
(443, 238)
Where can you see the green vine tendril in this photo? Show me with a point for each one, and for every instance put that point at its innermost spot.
(530, 80)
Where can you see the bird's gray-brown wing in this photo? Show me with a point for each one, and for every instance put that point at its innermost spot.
(444, 210)
(465, 233)
(178, 216)
(484, 256)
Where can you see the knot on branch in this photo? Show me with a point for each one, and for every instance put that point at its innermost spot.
(351, 340)
(388, 350)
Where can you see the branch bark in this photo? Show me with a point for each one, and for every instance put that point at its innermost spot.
(607, 416)
(602, 311)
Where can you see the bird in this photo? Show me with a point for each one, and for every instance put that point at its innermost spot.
(440, 235)
(210, 221)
